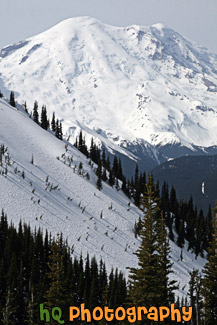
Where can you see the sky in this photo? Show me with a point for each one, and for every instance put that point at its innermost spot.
(195, 19)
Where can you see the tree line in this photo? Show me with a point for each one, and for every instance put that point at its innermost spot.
(35, 268)
(181, 217)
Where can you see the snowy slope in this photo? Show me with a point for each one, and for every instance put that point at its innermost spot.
(129, 85)
(54, 196)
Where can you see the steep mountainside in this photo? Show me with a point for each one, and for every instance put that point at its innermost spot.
(145, 92)
(52, 194)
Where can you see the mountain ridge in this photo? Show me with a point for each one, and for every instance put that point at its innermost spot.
(129, 84)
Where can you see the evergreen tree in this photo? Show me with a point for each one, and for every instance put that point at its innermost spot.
(44, 119)
(99, 177)
(25, 107)
(143, 281)
(53, 123)
(210, 278)
(190, 224)
(12, 100)
(55, 295)
(104, 176)
(166, 286)
(195, 296)
(58, 130)
(111, 179)
(10, 309)
(35, 113)
(103, 158)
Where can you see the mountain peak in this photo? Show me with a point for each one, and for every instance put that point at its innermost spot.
(135, 83)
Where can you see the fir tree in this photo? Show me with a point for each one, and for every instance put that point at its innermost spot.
(25, 107)
(143, 281)
(166, 286)
(55, 295)
(115, 166)
(53, 123)
(12, 100)
(35, 113)
(111, 179)
(99, 177)
(44, 119)
(195, 296)
(210, 278)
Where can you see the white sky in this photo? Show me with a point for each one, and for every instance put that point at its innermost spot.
(195, 19)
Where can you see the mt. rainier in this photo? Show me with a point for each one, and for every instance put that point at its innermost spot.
(145, 92)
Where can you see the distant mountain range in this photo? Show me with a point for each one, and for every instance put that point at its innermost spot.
(144, 93)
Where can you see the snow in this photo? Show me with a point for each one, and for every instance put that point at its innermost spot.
(134, 83)
(203, 188)
(75, 206)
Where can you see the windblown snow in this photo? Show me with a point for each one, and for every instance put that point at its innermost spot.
(128, 84)
(53, 194)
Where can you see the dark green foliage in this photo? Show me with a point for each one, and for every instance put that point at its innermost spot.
(210, 278)
(56, 293)
(44, 120)
(1, 95)
(187, 175)
(53, 123)
(58, 130)
(36, 269)
(25, 107)
(188, 224)
(194, 293)
(99, 177)
(12, 99)
(111, 180)
(81, 145)
(150, 284)
(177, 214)
(35, 113)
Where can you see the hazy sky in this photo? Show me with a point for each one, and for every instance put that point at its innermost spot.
(195, 19)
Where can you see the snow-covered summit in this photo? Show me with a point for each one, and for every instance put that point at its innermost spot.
(135, 83)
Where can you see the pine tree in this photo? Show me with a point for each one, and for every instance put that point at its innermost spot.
(104, 176)
(120, 172)
(111, 180)
(115, 166)
(35, 113)
(55, 295)
(210, 278)
(44, 119)
(25, 107)
(195, 296)
(12, 100)
(53, 123)
(143, 281)
(61, 131)
(99, 177)
(190, 224)
(103, 158)
(166, 286)
(10, 309)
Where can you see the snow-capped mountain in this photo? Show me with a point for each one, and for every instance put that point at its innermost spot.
(142, 91)
(41, 183)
